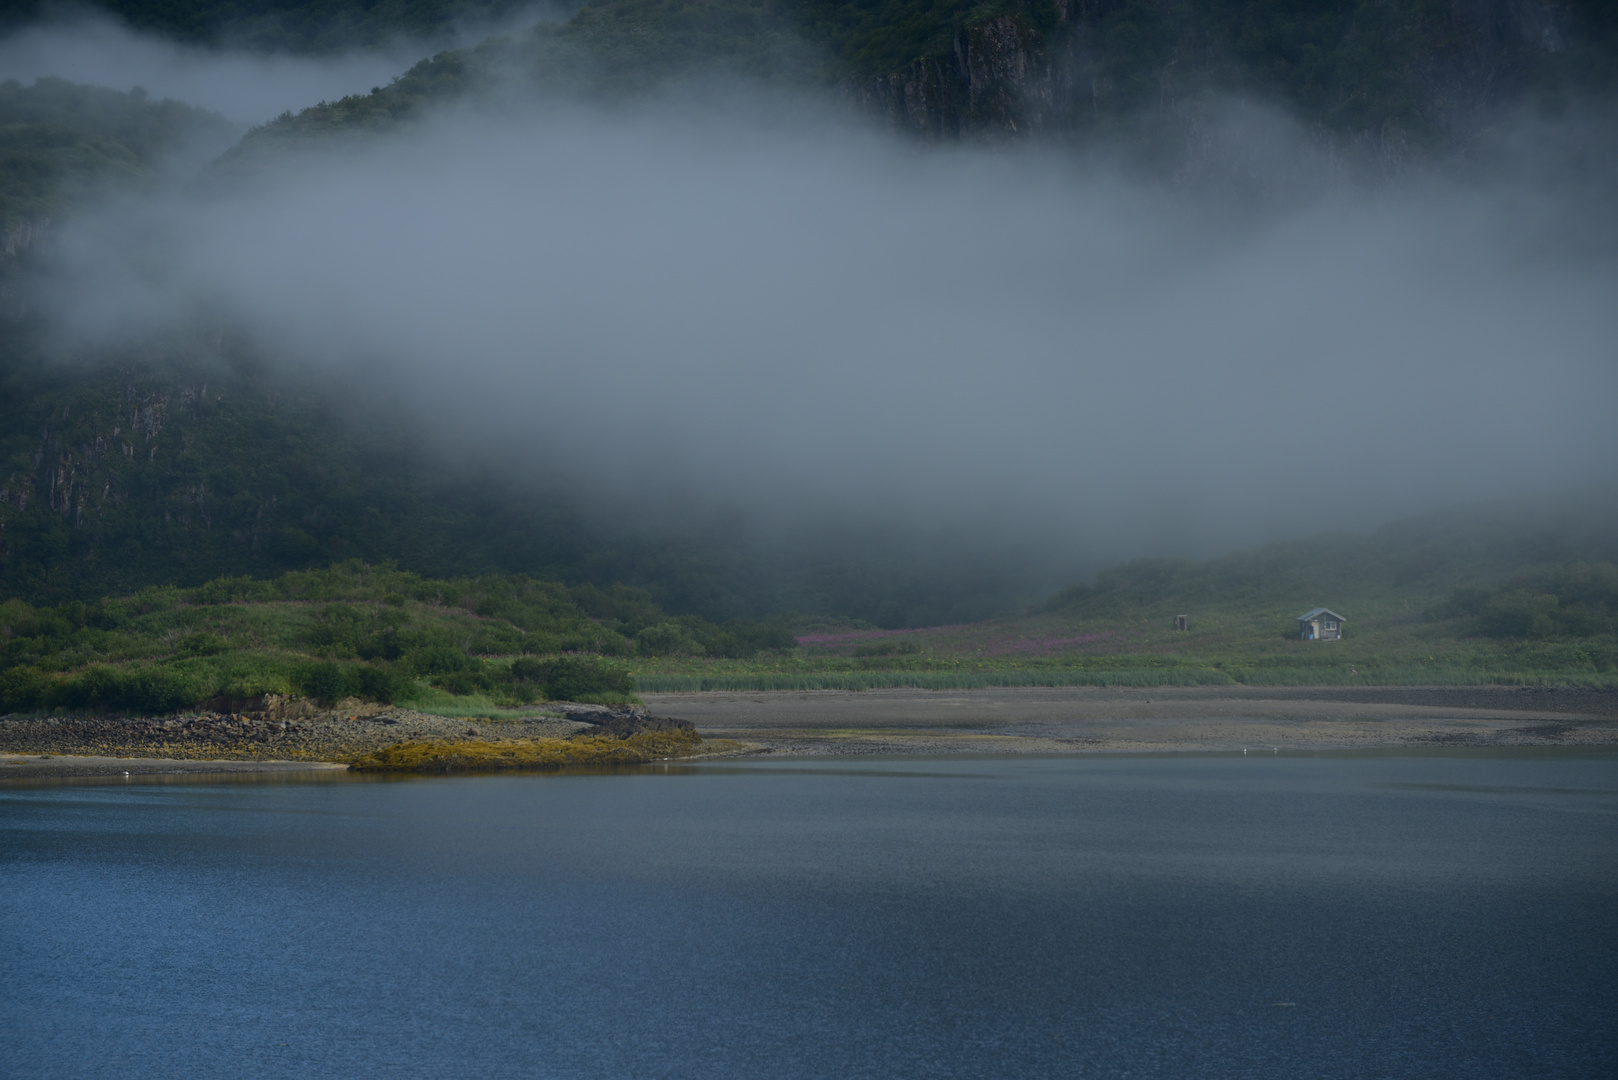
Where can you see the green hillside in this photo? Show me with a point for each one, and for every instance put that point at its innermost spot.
(63, 145)
(1457, 597)
(351, 630)
(1525, 591)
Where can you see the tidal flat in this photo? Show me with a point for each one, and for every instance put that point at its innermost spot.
(1012, 720)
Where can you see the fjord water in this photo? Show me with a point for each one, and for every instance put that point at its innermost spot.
(1168, 916)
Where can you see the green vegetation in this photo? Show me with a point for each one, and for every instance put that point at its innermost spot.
(1520, 593)
(1552, 603)
(493, 754)
(352, 630)
(62, 144)
(1524, 593)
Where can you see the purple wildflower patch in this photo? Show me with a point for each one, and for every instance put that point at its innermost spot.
(851, 636)
(1005, 645)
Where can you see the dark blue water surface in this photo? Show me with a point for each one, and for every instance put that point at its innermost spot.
(1167, 916)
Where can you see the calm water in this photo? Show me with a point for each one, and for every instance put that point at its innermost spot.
(1098, 917)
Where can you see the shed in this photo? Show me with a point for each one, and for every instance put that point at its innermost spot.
(1182, 622)
(1320, 624)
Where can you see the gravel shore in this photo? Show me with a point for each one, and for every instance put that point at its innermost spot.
(276, 734)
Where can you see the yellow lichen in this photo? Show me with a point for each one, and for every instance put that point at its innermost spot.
(475, 755)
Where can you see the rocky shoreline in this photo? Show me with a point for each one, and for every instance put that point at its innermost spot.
(285, 732)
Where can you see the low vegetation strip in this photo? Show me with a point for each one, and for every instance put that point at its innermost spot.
(925, 680)
(1413, 675)
(438, 756)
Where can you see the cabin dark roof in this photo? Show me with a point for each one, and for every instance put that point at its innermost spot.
(1312, 612)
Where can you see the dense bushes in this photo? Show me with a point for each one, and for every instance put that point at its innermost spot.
(571, 678)
(132, 689)
(1575, 600)
(349, 630)
(160, 688)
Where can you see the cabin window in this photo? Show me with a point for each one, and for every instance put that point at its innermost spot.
(1330, 625)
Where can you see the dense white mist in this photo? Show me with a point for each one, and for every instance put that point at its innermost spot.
(245, 86)
(815, 322)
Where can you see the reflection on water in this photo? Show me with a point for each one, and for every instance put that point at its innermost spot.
(1166, 916)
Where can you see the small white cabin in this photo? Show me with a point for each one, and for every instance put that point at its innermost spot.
(1321, 624)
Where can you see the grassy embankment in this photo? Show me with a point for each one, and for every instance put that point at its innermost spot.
(467, 647)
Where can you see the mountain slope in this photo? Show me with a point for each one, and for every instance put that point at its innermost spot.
(1388, 77)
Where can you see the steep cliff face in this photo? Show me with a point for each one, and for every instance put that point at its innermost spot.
(106, 473)
(999, 77)
(1396, 70)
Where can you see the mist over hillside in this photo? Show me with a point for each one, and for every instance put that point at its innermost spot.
(733, 340)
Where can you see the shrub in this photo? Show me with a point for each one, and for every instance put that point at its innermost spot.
(439, 659)
(667, 639)
(1520, 614)
(573, 678)
(153, 690)
(461, 682)
(324, 682)
(380, 684)
(148, 690)
(23, 689)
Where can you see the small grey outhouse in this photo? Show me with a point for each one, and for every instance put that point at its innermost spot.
(1321, 624)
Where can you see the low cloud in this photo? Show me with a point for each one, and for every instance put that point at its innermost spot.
(775, 311)
(247, 86)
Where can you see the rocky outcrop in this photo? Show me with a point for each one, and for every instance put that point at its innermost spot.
(998, 78)
(623, 722)
(1454, 64)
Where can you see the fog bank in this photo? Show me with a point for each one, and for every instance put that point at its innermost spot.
(248, 87)
(812, 322)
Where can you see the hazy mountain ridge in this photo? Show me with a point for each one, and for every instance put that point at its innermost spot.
(1386, 80)
(1427, 555)
(286, 25)
(1405, 74)
(121, 470)
(189, 459)
(63, 145)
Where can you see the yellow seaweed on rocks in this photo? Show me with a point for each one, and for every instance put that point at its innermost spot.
(468, 755)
